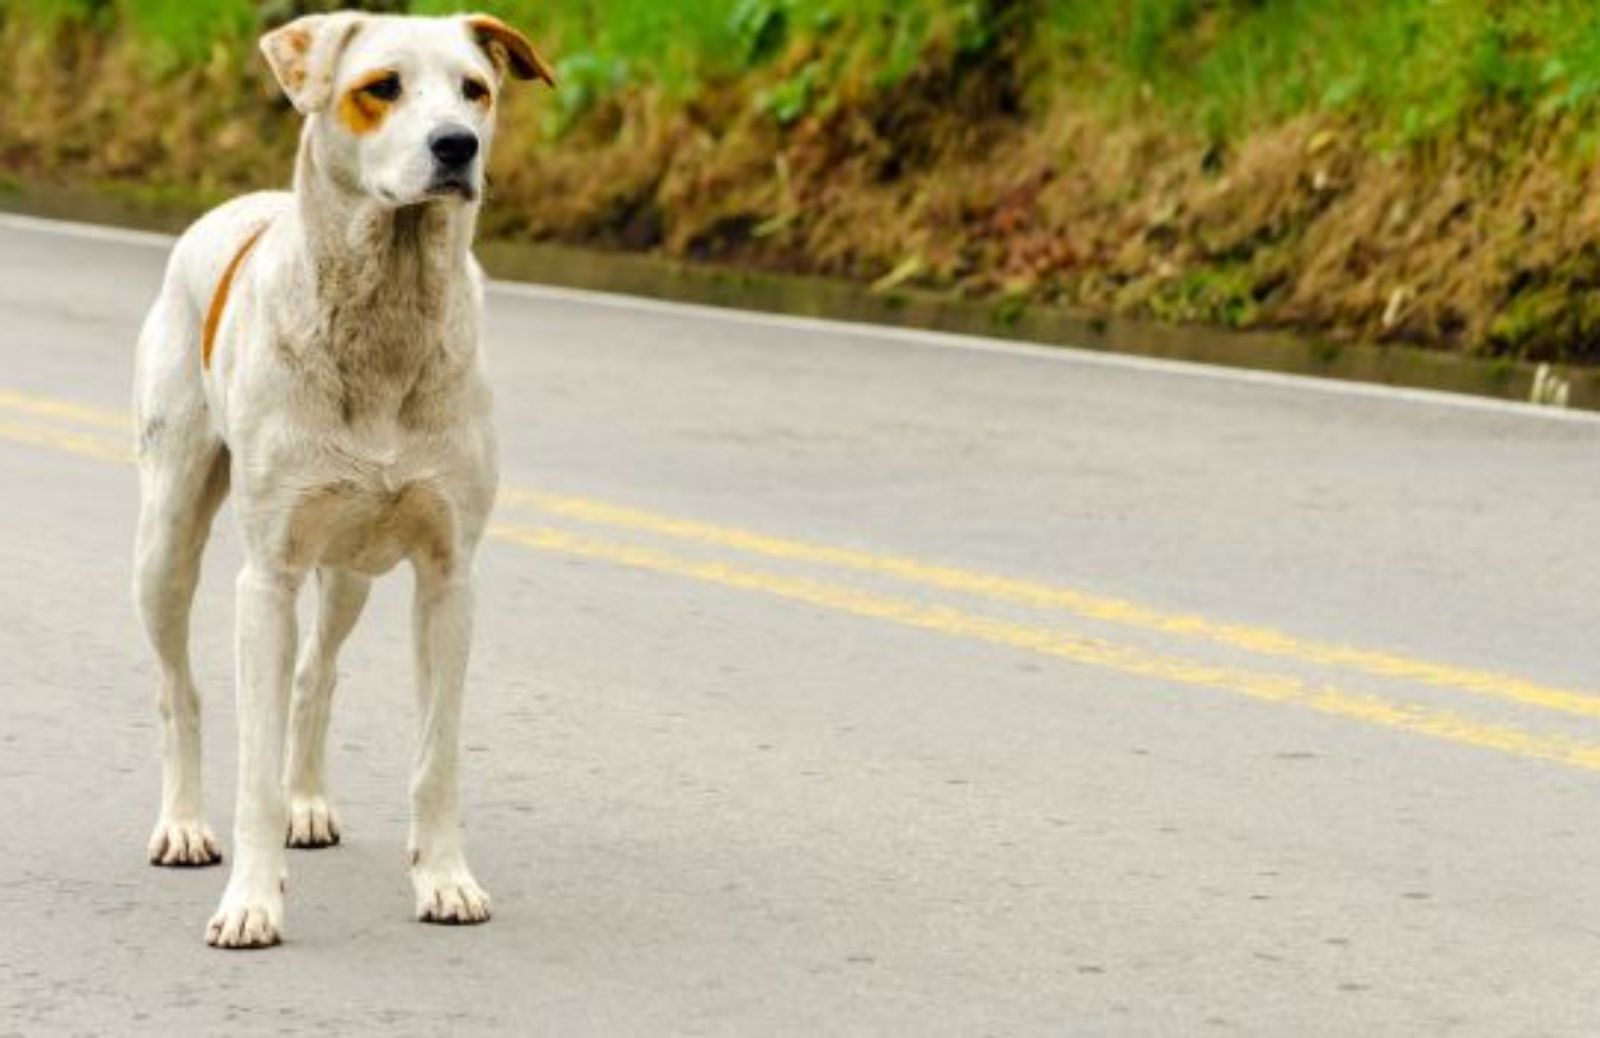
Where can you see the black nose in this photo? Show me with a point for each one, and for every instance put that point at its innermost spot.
(453, 146)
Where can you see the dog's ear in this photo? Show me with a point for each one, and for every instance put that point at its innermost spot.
(508, 49)
(304, 55)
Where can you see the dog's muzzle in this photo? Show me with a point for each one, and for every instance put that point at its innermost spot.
(455, 149)
(453, 146)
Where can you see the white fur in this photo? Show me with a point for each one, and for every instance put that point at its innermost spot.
(346, 407)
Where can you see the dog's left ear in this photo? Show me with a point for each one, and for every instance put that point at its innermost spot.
(304, 55)
(508, 49)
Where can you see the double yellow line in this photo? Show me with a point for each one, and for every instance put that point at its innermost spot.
(30, 413)
(1259, 641)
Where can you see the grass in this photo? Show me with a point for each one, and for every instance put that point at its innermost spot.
(603, 46)
(612, 42)
(1400, 170)
(175, 32)
(1417, 69)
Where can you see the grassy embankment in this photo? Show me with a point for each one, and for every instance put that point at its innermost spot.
(1413, 171)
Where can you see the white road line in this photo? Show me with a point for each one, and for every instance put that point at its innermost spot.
(915, 336)
(1068, 354)
(86, 231)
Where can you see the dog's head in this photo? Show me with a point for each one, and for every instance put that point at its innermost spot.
(402, 109)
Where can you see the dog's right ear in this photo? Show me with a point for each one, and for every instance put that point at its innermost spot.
(509, 49)
(304, 55)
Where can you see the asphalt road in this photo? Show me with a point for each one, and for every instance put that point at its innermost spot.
(834, 681)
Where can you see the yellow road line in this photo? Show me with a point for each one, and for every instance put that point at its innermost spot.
(1257, 640)
(1261, 641)
(46, 407)
(1273, 688)
(97, 447)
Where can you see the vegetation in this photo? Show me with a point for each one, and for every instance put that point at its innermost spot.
(1398, 170)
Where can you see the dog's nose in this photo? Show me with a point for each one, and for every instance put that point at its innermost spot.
(453, 146)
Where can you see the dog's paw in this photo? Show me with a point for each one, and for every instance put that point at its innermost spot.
(187, 844)
(246, 922)
(312, 822)
(451, 897)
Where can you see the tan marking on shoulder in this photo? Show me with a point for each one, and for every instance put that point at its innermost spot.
(219, 298)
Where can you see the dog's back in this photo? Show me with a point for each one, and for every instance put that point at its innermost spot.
(168, 363)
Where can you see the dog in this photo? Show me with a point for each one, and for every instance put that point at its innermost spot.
(316, 353)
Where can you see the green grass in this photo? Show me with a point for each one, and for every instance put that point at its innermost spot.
(678, 46)
(1415, 69)
(611, 42)
(1419, 68)
(174, 31)
(682, 107)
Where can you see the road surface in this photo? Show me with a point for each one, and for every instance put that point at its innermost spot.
(834, 681)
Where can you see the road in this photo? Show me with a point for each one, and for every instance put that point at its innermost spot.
(849, 682)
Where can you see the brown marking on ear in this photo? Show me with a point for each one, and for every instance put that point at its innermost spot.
(219, 299)
(304, 53)
(288, 51)
(359, 111)
(295, 44)
(509, 49)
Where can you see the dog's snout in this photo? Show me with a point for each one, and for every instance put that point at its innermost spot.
(453, 146)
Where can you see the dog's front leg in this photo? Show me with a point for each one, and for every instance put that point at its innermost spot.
(446, 891)
(251, 913)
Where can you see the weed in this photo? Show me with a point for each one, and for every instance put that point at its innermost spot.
(1248, 162)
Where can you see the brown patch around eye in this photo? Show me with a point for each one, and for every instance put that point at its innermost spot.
(367, 102)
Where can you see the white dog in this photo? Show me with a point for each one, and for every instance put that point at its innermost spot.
(318, 352)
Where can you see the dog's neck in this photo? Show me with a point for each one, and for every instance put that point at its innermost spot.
(374, 256)
(396, 322)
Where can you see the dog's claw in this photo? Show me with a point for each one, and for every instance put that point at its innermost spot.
(184, 845)
(242, 928)
(457, 901)
(244, 925)
(312, 823)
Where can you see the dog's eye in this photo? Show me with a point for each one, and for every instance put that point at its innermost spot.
(473, 90)
(385, 89)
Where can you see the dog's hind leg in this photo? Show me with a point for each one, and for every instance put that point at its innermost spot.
(312, 821)
(183, 476)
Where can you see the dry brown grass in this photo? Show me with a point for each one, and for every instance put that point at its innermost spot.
(1484, 242)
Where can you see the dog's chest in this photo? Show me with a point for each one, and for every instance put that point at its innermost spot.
(372, 533)
(369, 521)
(363, 431)
(367, 503)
